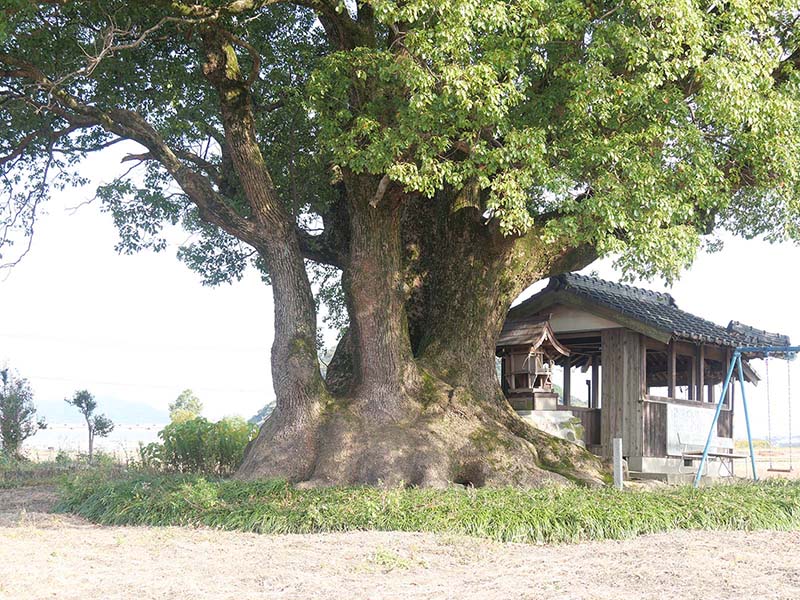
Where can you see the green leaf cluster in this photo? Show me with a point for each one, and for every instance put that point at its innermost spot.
(200, 446)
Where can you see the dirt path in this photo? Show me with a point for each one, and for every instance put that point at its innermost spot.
(56, 556)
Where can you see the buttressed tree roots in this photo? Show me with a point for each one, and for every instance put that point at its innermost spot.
(421, 163)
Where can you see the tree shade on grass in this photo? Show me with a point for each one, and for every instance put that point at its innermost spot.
(431, 160)
(549, 515)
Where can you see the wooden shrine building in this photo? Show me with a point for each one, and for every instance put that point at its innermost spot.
(632, 365)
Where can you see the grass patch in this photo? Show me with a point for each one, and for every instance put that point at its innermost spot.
(24, 473)
(549, 515)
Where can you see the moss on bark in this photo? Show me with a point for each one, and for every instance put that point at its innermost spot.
(449, 435)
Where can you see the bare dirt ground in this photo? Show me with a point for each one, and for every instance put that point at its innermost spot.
(44, 555)
(779, 458)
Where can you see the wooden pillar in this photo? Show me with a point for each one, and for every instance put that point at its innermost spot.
(699, 358)
(504, 373)
(643, 367)
(621, 405)
(567, 387)
(595, 399)
(671, 370)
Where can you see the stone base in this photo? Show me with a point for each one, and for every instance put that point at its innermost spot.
(560, 423)
(534, 401)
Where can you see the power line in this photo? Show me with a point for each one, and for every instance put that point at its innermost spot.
(86, 382)
(132, 344)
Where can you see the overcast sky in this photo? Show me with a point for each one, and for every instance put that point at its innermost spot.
(139, 329)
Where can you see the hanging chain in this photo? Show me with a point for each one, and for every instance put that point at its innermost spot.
(789, 394)
(769, 413)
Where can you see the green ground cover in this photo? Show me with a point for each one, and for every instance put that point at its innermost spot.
(549, 515)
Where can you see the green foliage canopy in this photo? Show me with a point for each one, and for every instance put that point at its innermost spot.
(186, 406)
(637, 127)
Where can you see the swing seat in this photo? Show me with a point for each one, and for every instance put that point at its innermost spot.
(778, 470)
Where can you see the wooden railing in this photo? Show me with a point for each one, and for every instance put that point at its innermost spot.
(655, 426)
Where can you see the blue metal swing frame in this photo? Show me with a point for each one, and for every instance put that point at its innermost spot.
(736, 361)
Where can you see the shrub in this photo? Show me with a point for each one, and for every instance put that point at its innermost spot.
(18, 419)
(187, 406)
(200, 446)
(63, 458)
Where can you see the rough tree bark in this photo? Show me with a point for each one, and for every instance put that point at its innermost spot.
(427, 283)
(384, 372)
(427, 409)
(287, 444)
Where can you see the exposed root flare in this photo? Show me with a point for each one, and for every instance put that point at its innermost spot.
(282, 451)
(447, 437)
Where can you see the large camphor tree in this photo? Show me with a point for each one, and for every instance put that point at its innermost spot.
(425, 161)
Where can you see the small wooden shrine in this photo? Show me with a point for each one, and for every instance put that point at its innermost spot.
(529, 350)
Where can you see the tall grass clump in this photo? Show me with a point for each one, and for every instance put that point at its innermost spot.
(549, 515)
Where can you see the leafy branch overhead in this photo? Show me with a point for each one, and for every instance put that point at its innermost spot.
(635, 127)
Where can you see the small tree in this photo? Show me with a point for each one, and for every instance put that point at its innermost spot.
(187, 406)
(18, 419)
(98, 425)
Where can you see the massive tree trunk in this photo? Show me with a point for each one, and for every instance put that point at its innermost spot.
(421, 404)
(384, 373)
(427, 283)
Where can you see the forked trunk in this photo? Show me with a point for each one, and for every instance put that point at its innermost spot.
(287, 445)
(439, 417)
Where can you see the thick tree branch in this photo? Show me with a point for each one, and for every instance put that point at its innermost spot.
(222, 70)
(318, 249)
(130, 125)
(42, 132)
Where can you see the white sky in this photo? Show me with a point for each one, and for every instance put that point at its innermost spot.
(75, 314)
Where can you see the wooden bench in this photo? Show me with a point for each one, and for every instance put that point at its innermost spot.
(721, 448)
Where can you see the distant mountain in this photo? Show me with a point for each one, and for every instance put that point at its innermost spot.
(119, 411)
(260, 416)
